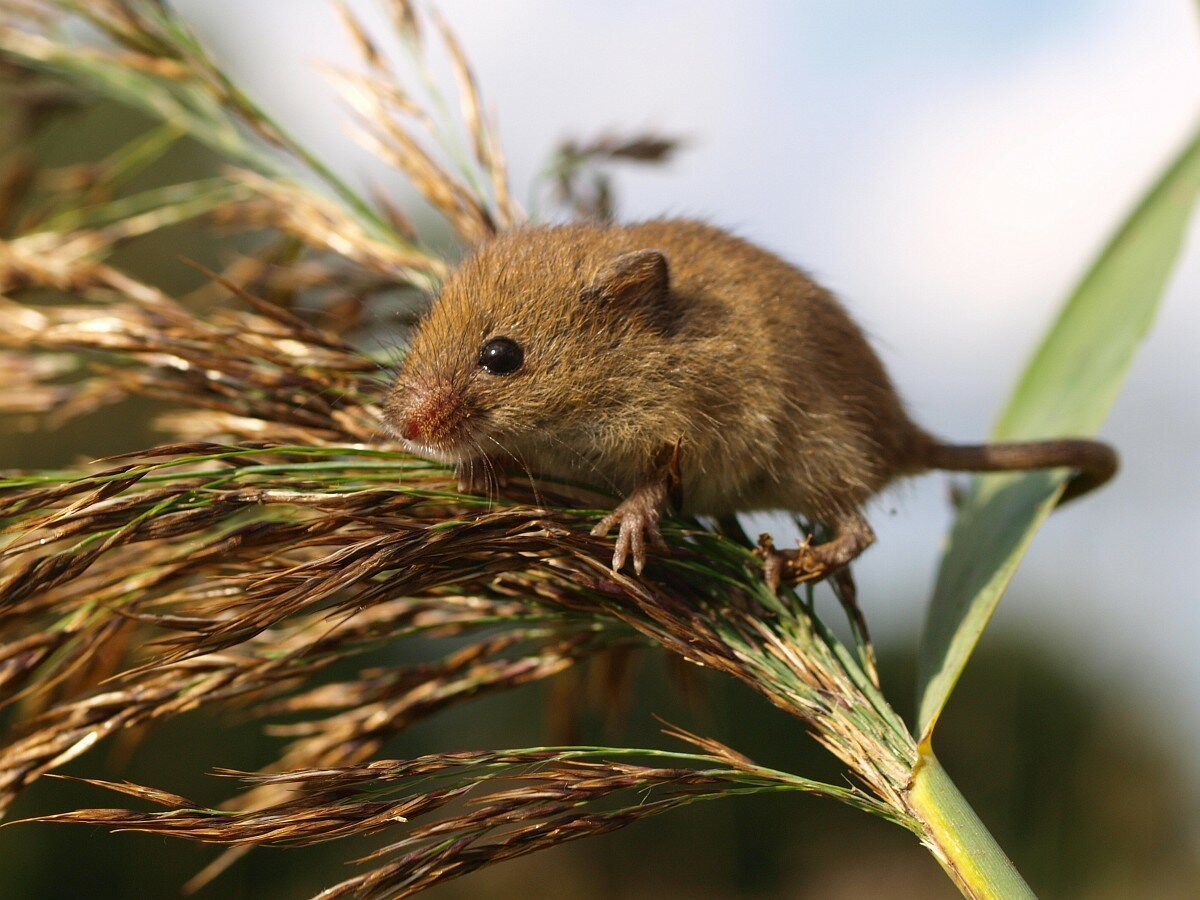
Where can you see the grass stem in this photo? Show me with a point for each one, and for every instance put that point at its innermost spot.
(958, 839)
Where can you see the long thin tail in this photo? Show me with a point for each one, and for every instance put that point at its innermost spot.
(1094, 462)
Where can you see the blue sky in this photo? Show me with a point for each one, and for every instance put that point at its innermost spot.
(933, 33)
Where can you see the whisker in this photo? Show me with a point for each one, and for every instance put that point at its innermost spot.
(491, 478)
(537, 497)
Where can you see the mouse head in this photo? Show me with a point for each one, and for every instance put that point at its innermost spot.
(535, 339)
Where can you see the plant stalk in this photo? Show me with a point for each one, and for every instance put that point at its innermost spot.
(958, 839)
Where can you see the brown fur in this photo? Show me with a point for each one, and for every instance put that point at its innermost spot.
(779, 399)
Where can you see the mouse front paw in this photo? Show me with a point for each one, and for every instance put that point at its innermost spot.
(480, 479)
(638, 514)
(638, 519)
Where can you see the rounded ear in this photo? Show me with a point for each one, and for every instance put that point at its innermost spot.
(639, 275)
(639, 285)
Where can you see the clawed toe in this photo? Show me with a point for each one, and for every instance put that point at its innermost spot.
(604, 526)
(480, 481)
(637, 528)
(629, 538)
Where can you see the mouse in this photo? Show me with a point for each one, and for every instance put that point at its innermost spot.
(680, 368)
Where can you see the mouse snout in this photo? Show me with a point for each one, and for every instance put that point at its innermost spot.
(432, 417)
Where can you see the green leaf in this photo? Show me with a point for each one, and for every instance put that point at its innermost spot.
(1068, 389)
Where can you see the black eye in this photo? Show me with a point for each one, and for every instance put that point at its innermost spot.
(501, 356)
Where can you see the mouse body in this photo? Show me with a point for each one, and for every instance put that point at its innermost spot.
(670, 360)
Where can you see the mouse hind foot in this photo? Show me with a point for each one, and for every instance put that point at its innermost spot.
(813, 562)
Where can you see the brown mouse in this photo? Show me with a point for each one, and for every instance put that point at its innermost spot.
(594, 353)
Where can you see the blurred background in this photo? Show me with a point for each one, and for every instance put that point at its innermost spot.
(949, 169)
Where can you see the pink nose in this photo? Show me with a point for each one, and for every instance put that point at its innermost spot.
(431, 418)
(410, 430)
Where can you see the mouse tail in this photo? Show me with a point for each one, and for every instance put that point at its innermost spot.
(1094, 462)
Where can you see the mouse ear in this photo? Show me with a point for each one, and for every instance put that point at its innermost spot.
(640, 279)
(640, 272)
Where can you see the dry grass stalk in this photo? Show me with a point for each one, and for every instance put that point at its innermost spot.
(486, 807)
(579, 173)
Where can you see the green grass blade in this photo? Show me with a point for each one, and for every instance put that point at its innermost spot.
(1068, 389)
(153, 208)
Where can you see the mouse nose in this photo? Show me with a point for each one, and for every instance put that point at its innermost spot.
(410, 429)
(432, 418)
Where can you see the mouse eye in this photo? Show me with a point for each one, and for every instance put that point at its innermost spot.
(501, 356)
